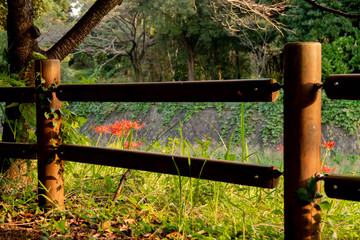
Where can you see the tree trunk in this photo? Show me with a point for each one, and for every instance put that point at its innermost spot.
(238, 65)
(189, 44)
(137, 65)
(212, 70)
(172, 70)
(139, 77)
(22, 36)
(190, 60)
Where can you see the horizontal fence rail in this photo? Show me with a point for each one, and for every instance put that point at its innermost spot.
(210, 169)
(345, 187)
(17, 94)
(18, 150)
(343, 86)
(244, 90)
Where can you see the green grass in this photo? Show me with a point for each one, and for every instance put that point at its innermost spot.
(170, 207)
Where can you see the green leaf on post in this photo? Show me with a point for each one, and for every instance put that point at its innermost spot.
(47, 115)
(318, 195)
(311, 185)
(303, 194)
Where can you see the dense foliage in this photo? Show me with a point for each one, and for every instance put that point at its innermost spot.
(188, 40)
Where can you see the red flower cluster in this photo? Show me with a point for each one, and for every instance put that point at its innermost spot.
(327, 169)
(101, 129)
(280, 147)
(119, 129)
(328, 145)
(132, 145)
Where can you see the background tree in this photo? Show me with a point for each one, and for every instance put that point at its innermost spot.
(352, 13)
(308, 23)
(238, 14)
(188, 24)
(255, 25)
(257, 42)
(339, 35)
(125, 32)
(55, 20)
(190, 43)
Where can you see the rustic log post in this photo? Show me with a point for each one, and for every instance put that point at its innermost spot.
(48, 117)
(302, 137)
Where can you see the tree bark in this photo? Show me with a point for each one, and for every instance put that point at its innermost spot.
(139, 77)
(19, 28)
(191, 65)
(21, 41)
(189, 44)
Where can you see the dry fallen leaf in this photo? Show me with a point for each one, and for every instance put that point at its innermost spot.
(123, 228)
(28, 215)
(106, 225)
(9, 218)
(129, 221)
(173, 235)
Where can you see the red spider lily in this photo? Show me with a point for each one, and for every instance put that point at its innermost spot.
(134, 125)
(280, 147)
(101, 129)
(120, 128)
(328, 145)
(327, 169)
(137, 126)
(132, 145)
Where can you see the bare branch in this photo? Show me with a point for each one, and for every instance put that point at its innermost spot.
(126, 31)
(109, 60)
(237, 14)
(331, 10)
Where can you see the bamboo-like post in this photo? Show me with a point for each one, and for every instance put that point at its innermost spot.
(50, 167)
(302, 137)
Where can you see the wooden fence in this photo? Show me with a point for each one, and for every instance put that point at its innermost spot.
(302, 132)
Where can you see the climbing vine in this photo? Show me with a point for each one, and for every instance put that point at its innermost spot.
(264, 119)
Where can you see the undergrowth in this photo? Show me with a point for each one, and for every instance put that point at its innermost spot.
(159, 206)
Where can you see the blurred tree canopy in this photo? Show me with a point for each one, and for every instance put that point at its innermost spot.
(339, 35)
(312, 24)
(190, 40)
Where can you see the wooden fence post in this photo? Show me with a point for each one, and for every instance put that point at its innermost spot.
(302, 137)
(48, 117)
